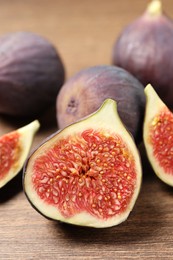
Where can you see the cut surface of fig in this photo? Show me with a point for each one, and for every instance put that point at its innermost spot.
(87, 174)
(14, 149)
(158, 136)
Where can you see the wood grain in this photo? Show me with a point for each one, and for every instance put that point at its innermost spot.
(83, 32)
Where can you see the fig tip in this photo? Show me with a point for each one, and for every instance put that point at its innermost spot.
(154, 8)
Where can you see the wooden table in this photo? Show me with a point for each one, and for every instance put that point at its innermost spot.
(83, 32)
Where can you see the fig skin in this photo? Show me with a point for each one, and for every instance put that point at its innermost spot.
(83, 94)
(31, 74)
(50, 205)
(144, 48)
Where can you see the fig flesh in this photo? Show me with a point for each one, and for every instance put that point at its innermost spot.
(158, 136)
(144, 48)
(84, 93)
(87, 174)
(31, 74)
(14, 149)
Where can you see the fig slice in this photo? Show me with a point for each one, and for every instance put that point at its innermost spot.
(158, 135)
(14, 149)
(88, 173)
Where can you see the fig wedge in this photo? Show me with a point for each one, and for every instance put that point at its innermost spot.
(14, 149)
(158, 135)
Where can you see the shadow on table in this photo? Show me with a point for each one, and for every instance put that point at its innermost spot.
(11, 189)
(46, 119)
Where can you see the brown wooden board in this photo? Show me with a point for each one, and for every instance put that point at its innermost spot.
(84, 33)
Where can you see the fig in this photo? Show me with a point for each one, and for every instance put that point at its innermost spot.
(144, 48)
(158, 135)
(84, 93)
(88, 173)
(31, 74)
(14, 149)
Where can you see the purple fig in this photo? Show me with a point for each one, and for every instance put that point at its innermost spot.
(83, 94)
(144, 48)
(31, 74)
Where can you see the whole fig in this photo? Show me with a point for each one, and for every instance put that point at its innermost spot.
(83, 94)
(144, 48)
(31, 74)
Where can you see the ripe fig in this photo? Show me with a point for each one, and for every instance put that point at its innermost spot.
(158, 136)
(31, 74)
(84, 93)
(87, 174)
(14, 149)
(144, 48)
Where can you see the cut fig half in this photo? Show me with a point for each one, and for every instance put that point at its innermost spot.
(158, 135)
(87, 174)
(14, 149)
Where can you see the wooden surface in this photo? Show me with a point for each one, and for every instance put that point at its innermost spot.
(83, 32)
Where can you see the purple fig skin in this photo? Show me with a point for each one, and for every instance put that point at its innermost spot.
(83, 94)
(144, 48)
(31, 74)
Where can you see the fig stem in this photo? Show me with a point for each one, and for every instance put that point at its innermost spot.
(154, 8)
